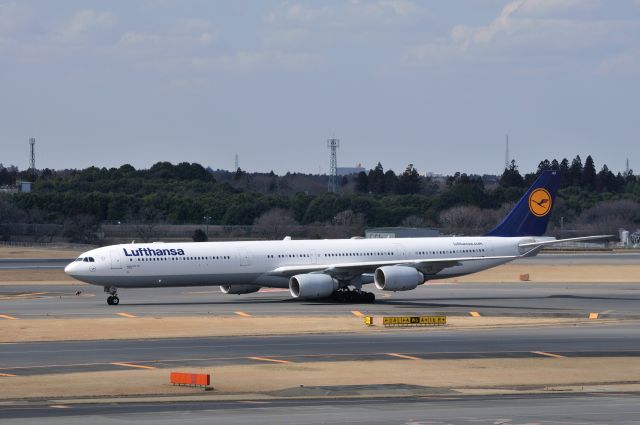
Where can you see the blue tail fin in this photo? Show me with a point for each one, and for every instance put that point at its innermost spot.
(531, 214)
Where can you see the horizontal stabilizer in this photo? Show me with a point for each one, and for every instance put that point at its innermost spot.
(557, 241)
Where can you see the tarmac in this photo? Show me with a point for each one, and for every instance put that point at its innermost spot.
(33, 358)
(523, 299)
(596, 407)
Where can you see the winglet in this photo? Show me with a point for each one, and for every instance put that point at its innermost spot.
(531, 214)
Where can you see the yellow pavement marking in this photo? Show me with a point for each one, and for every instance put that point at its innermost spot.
(474, 314)
(242, 313)
(126, 315)
(31, 294)
(593, 315)
(357, 313)
(544, 353)
(6, 316)
(139, 366)
(267, 359)
(7, 374)
(403, 356)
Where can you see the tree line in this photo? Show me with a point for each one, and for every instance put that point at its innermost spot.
(189, 192)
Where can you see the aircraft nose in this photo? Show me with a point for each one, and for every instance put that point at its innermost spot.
(68, 269)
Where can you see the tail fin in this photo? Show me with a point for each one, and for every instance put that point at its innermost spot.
(531, 214)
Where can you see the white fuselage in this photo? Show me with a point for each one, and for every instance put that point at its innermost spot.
(252, 263)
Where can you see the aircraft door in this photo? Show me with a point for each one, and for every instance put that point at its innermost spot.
(399, 250)
(116, 259)
(245, 257)
(488, 249)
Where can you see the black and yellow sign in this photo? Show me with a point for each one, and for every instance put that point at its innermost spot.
(414, 321)
(540, 202)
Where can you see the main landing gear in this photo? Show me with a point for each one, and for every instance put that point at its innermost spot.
(353, 296)
(113, 297)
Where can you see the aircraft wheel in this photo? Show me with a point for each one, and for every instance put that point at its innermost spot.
(110, 300)
(115, 300)
(370, 297)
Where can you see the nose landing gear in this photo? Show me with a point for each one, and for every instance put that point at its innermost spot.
(113, 297)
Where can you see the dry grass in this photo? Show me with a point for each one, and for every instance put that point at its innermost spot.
(52, 329)
(560, 273)
(35, 277)
(261, 378)
(20, 252)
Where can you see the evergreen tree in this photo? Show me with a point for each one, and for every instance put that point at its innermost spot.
(409, 181)
(362, 182)
(574, 175)
(376, 179)
(589, 174)
(542, 166)
(390, 182)
(511, 176)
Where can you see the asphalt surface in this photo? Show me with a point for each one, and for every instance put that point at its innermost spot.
(491, 299)
(521, 299)
(34, 358)
(498, 410)
(34, 263)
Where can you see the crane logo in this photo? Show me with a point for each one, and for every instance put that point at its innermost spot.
(540, 202)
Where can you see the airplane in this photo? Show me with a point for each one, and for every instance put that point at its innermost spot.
(330, 268)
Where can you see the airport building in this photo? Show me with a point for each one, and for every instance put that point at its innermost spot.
(401, 232)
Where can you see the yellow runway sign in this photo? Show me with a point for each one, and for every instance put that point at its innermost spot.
(414, 321)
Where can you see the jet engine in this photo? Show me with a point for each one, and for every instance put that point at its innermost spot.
(239, 289)
(397, 278)
(312, 286)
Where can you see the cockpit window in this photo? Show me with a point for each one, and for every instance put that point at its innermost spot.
(91, 260)
(79, 259)
(86, 259)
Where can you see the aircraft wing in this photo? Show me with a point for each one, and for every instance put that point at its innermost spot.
(428, 266)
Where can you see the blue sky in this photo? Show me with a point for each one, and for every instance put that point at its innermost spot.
(433, 83)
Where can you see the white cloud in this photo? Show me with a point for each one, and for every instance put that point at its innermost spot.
(348, 14)
(529, 31)
(13, 16)
(542, 8)
(86, 21)
(249, 61)
(626, 63)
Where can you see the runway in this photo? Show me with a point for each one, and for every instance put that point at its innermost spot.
(34, 263)
(77, 356)
(492, 299)
(47, 301)
(620, 408)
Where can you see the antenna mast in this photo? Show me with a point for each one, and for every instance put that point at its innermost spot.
(506, 154)
(32, 157)
(333, 144)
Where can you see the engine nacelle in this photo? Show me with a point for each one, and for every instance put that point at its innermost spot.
(239, 289)
(312, 286)
(397, 278)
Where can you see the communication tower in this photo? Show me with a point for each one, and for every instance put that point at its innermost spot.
(626, 170)
(32, 156)
(506, 154)
(333, 145)
(237, 163)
